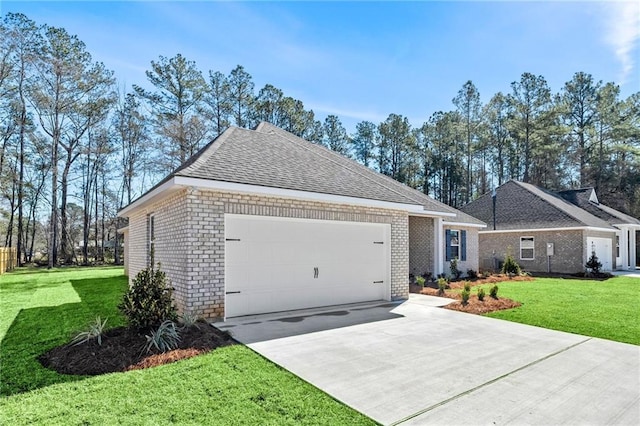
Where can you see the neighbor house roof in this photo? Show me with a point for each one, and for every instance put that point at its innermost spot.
(521, 205)
(586, 199)
(273, 158)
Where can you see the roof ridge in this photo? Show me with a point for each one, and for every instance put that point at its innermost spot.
(207, 151)
(305, 145)
(571, 206)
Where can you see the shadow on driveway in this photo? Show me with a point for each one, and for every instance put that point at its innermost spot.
(259, 328)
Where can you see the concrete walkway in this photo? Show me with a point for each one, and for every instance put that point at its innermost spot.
(412, 363)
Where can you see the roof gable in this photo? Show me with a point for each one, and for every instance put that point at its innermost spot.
(586, 199)
(524, 206)
(273, 158)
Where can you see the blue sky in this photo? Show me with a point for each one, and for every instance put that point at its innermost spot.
(362, 60)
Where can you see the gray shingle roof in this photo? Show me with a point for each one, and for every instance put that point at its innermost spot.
(582, 198)
(524, 206)
(271, 157)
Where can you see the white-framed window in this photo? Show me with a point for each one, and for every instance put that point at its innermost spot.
(527, 248)
(617, 245)
(455, 244)
(151, 226)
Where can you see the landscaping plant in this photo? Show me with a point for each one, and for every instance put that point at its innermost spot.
(471, 274)
(594, 264)
(165, 338)
(95, 331)
(481, 294)
(465, 297)
(510, 266)
(467, 286)
(493, 292)
(455, 272)
(420, 280)
(442, 285)
(149, 303)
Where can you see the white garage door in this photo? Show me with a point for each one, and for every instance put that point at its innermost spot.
(277, 264)
(603, 249)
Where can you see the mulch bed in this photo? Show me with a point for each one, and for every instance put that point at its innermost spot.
(122, 350)
(474, 305)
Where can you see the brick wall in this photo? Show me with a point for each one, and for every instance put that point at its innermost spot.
(472, 261)
(189, 228)
(568, 249)
(421, 240)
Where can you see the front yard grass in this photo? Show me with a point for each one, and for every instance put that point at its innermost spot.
(607, 309)
(231, 385)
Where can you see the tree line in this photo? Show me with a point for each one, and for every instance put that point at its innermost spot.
(77, 147)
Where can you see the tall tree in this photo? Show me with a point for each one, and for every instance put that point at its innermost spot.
(530, 101)
(363, 142)
(467, 103)
(218, 98)
(335, 135)
(396, 144)
(177, 106)
(579, 106)
(241, 96)
(496, 114)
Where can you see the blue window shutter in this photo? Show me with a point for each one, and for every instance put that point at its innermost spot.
(463, 245)
(447, 238)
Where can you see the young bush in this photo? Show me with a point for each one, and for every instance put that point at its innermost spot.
(453, 266)
(493, 292)
(189, 319)
(510, 266)
(442, 285)
(465, 297)
(467, 286)
(471, 274)
(594, 264)
(95, 331)
(164, 339)
(481, 294)
(149, 303)
(420, 280)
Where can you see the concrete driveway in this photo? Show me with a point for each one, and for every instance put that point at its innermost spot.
(413, 363)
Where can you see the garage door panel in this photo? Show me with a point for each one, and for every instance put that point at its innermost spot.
(274, 263)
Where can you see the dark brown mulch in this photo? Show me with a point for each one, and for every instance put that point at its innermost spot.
(122, 349)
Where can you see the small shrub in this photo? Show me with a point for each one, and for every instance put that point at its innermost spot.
(442, 275)
(453, 266)
(165, 338)
(510, 266)
(149, 303)
(420, 281)
(465, 297)
(95, 331)
(189, 319)
(594, 264)
(472, 274)
(481, 294)
(467, 286)
(442, 285)
(493, 292)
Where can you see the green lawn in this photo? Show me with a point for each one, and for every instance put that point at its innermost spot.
(233, 385)
(607, 309)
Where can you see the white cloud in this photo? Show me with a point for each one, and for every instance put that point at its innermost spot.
(622, 32)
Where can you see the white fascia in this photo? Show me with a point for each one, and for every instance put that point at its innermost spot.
(169, 186)
(464, 225)
(574, 228)
(292, 193)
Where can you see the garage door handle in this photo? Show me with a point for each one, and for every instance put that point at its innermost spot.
(232, 292)
(378, 282)
(316, 272)
(232, 239)
(378, 242)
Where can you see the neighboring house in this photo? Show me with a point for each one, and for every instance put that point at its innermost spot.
(550, 232)
(263, 221)
(627, 226)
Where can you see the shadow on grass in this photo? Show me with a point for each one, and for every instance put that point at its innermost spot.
(37, 330)
(44, 270)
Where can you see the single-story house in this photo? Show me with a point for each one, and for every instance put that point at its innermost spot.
(263, 221)
(552, 232)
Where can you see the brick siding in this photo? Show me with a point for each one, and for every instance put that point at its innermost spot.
(569, 249)
(421, 240)
(190, 240)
